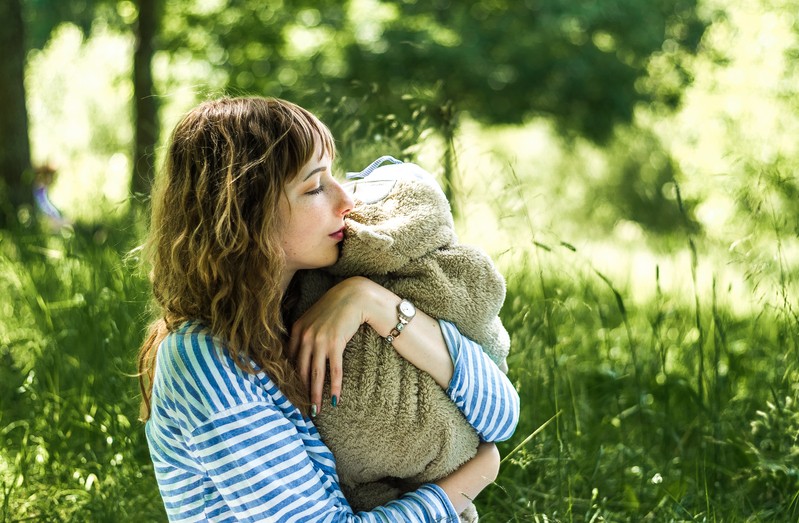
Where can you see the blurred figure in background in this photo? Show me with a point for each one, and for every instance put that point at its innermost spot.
(44, 176)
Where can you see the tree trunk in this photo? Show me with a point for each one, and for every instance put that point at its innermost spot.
(146, 106)
(14, 144)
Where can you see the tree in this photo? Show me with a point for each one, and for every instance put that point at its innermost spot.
(28, 25)
(145, 105)
(579, 62)
(15, 150)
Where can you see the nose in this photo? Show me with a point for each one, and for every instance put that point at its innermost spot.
(346, 203)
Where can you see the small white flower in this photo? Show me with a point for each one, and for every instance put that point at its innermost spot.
(657, 479)
(90, 481)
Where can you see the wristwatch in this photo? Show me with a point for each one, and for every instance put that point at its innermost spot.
(405, 313)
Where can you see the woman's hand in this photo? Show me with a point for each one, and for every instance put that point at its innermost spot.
(320, 335)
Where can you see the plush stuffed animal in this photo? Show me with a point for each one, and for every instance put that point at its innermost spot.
(394, 427)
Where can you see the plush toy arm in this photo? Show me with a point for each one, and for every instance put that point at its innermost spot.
(459, 284)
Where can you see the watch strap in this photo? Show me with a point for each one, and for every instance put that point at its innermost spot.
(403, 320)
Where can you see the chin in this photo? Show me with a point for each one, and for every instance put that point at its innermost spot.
(328, 260)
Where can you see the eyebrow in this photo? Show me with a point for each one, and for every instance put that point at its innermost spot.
(318, 169)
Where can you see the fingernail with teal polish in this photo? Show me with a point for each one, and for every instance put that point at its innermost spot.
(334, 401)
(313, 410)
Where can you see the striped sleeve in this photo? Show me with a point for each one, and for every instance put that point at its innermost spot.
(256, 460)
(481, 391)
(226, 446)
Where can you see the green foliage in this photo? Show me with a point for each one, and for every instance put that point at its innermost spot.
(773, 479)
(407, 131)
(250, 40)
(42, 17)
(642, 185)
(580, 63)
(584, 64)
(376, 69)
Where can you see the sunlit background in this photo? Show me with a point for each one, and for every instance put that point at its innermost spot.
(737, 121)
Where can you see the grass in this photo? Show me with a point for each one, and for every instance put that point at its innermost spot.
(72, 447)
(674, 409)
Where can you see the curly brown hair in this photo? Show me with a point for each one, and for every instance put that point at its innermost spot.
(213, 245)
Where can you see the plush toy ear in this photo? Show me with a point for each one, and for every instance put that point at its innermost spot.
(375, 239)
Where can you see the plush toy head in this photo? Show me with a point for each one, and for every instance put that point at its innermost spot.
(400, 214)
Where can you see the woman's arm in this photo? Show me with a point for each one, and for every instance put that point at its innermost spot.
(421, 342)
(212, 422)
(256, 460)
(321, 334)
(463, 485)
(319, 337)
(483, 393)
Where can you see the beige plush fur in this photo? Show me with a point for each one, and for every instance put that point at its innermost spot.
(394, 427)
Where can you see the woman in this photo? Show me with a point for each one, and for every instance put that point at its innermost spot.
(246, 200)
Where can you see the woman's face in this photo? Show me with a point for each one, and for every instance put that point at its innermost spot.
(312, 217)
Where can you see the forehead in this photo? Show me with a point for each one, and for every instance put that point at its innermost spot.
(319, 161)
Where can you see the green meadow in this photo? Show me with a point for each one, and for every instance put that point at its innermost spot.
(677, 407)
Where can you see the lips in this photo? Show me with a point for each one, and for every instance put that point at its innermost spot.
(338, 235)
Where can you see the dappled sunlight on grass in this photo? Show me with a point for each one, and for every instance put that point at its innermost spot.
(71, 447)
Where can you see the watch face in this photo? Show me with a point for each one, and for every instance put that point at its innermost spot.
(407, 308)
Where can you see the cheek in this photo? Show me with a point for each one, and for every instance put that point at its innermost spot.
(299, 229)
(290, 236)
(284, 225)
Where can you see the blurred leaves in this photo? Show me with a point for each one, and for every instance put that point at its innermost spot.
(42, 17)
(254, 42)
(371, 68)
(642, 185)
(501, 61)
(585, 64)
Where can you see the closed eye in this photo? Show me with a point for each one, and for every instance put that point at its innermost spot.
(317, 190)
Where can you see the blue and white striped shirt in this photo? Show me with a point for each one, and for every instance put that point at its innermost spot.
(228, 446)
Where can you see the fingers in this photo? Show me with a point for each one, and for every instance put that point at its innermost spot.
(303, 363)
(320, 335)
(318, 366)
(313, 352)
(336, 375)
